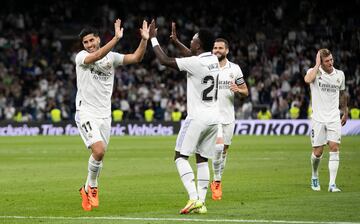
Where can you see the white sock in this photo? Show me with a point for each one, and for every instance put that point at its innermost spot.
(223, 163)
(217, 161)
(333, 166)
(203, 178)
(94, 168)
(315, 161)
(187, 177)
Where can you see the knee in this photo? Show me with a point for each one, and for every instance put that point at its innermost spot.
(317, 154)
(98, 151)
(333, 146)
(334, 149)
(98, 155)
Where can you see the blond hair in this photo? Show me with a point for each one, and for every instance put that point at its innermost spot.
(324, 53)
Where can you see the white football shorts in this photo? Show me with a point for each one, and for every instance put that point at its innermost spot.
(196, 137)
(323, 132)
(226, 131)
(92, 129)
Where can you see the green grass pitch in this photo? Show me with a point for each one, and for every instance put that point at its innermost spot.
(267, 178)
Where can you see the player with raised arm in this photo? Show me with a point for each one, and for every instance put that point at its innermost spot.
(198, 133)
(231, 82)
(95, 67)
(327, 85)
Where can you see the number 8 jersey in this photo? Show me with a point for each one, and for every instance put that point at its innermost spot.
(202, 86)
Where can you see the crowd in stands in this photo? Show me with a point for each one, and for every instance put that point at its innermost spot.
(274, 45)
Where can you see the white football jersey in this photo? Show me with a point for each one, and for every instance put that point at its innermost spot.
(231, 72)
(202, 86)
(95, 83)
(325, 92)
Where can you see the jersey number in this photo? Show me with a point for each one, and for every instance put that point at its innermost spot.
(206, 96)
(86, 125)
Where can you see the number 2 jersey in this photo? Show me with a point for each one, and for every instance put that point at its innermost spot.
(202, 86)
(325, 92)
(95, 83)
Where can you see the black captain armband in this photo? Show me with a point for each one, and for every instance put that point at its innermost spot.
(239, 81)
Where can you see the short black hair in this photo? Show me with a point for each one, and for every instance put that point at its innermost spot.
(206, 38)
(224, 41)
(88, 30)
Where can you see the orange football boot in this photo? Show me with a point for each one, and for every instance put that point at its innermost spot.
(216, 190)
(93, 196)
(85, 199)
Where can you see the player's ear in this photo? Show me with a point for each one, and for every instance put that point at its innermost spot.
(227, 51)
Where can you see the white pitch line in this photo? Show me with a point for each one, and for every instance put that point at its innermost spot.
(171, 219)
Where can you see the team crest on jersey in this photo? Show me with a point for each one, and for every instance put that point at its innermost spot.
(338, 80)
(231, 75)
(108, 65)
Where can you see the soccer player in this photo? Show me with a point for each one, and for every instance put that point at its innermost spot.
(327, 86)
(231, 81)
(95, 67)
(198, 133)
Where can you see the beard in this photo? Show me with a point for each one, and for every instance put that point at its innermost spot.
(221, 57)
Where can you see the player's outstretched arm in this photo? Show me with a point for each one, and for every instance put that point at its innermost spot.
(184, 51)
(138, 55)
(99, 54)
(311, 74)
(161, 56)
(343, 106)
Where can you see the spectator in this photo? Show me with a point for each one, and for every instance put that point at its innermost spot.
(264, 114)
(55, 114)
(176, 115)
(149, 114)
(117, 115)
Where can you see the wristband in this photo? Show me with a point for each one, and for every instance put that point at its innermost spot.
(154, 41)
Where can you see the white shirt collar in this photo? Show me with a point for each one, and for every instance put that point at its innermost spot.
(205, 54)
(323, 72)
(227, 64)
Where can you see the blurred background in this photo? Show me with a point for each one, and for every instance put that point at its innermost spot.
(274, 42)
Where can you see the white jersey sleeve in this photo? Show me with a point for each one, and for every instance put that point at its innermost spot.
(80, 57)
(342, 86)
(202, 86)
(189, 64)
(118, 58)
(95, 84)
(325, 92)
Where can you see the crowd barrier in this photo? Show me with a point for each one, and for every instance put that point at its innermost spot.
(242, 127)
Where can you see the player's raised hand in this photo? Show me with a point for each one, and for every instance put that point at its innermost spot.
(119, 32)
(153, 29)
(144, 31)
(173, 36)
(318, 59)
